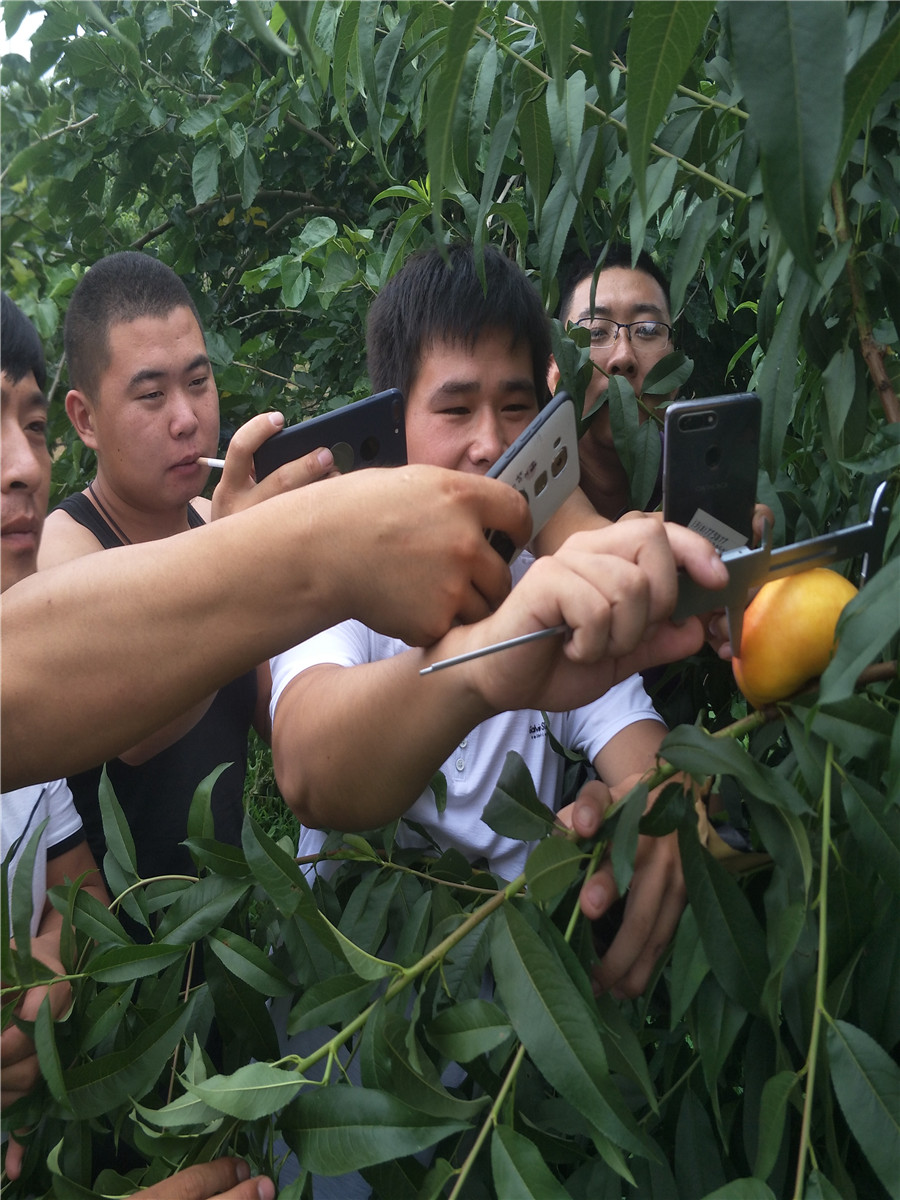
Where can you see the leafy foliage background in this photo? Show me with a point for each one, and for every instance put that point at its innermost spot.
(284, 159)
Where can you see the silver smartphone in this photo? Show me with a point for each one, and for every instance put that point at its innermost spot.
(542, 464)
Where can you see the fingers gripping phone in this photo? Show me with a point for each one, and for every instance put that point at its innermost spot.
(710, 466)
(542, 464)
(367, 433)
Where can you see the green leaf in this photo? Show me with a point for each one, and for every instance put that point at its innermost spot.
(875, 822)
(514, 809)
(603, 24)
(100, 1086)
(551, 1019)
(625, 840)
(249, 177)
(693, 245)
(790, 63)
(537, 150)
(519, 1169)
(205, 172)
(91, 917)
(442, 98)
(696, 751)
(551, 867)
(868, 79)
(116, 831)
(867, 1084)
(733, 941)
(868, 622)
(560, 208)
(331, 1001)
(565, 116)
(201, 909)
(248, 962)
(690, 965)
(256, 1090)
(469, 1028)
(747, 1188)
(200, 823)
(21, 898)
(125, 963)
(366, 966)
(663, 38)
(48, 1054)
(556, 23)
(839, 378)
(184, 1110)
(276, 871)
(339, 1128)
(772, 1114)
(398, 1065)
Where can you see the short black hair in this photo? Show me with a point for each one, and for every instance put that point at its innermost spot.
(583, 267)
(20, 346)
(119, 288)
(434, 298)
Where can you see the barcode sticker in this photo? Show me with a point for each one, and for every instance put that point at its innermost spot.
(722, 536)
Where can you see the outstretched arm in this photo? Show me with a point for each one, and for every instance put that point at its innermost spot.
(386, 724)
(402, 549)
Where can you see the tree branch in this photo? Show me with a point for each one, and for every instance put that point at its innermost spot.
(872, 351)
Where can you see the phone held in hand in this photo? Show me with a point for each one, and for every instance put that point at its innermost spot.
(542, 464)
(367, 433)
(710, 466)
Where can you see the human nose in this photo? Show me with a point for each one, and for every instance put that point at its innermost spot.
(620, 357)
(183, 417)
(22, 465)
(487, 443)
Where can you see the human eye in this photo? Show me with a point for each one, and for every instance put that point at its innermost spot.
(649, 331)
(37, 427)
(601, 333)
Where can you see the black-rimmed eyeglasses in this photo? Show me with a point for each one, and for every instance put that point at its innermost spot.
(604, 331)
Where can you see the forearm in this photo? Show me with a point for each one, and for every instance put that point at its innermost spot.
(575, 514)
(173, 620)
(354, 747)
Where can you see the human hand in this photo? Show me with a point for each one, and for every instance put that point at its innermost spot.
(615, 589)
(238, 489)
(224, 1178)
(19, 1068)
(409, 555)
(655, 900)
(717, 633)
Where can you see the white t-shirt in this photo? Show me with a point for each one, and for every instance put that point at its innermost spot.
(21, 812)
(473, 769)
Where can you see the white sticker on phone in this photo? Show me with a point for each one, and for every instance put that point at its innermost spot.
(722, 536)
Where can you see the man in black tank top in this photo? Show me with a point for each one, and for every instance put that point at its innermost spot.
(143, 398)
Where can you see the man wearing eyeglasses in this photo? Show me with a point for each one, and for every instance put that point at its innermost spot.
(627, 313)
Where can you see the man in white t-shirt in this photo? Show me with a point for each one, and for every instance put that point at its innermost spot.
(358, 733)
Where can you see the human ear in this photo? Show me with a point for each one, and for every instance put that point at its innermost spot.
(80, 412)
(552, 376)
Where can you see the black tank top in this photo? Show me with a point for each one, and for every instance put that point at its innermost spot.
(156, 795)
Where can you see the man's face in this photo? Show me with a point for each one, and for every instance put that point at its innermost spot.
(467, 405)
(25, 470)
(156, 409)
(622, 295)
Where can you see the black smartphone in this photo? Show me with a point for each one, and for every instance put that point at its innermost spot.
(367, 433)
(542, 464)
(710, 466)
